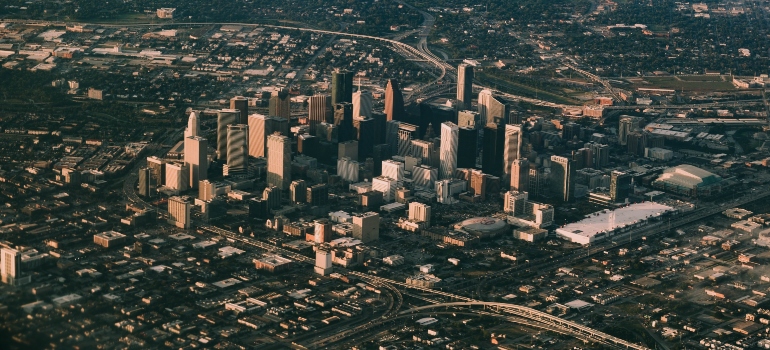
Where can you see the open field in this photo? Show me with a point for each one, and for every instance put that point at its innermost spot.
(691, 83)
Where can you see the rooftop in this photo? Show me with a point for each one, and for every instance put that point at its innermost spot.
(609, 220)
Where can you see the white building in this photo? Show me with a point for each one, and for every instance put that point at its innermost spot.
(196, 158)
(177, 176)
(387, 186)
(179, 211)
(366, 227)
(393, 170)
(607, 223)
(446, 190)
(419, 212)
(348, 169)
(362, 104)
(424, 176)
(448, 155)
(279, 161)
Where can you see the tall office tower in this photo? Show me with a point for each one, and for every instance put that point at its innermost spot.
(637, 142)
(280, 104)
(600, 153)
(366, 130)
(10, 266)
(158, 168)
(307, 145)
(322, 231)
(207, 190)
(327, 133)
(323, 260)
(366, 227)
(380, 126)
(177, 176)
(348, 149)
(393, 170)
(385, 185)
(406, 133)
(319, 107)
(242, 105)
(225, 117)
(343, 119)
(193, 125)
(145, 180)
(260, 127)
(562, 176)
(519, 174)
(348, 169)
(587, 155)
(272, 195)
(318, 195)
(620, 186)
(466, 147)
(419, 212)
(342, 87)
(492, 152)
(196, 157)
(237, 149)
(570, 131)
(179, 211)
(424, 176)
(491, 108)
(279, 161)
(394, 101)
(538, 184)
(427, 152)
(515, 202)
(627, 125)
(391, 135)
(512, 147)
(362, 104)
(465, 85)
(469, 119)
(379, 153)
(478, 183)
(298, 191)
(448, 155)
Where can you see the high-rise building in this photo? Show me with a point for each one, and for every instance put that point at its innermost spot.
(193, 125)
(419, 212)
(620, 186)
(348, 169)
(406, 133)
(469, 119)
(278, 161)
(393, 170)
(319, 108)
(394, 101)
(426, 151)
(467, 142)
(366, 134)
(272, 195)
(260, 127)
(343, 119)
(145, 179)
(465, 85)
(626, 126)
(307, 145)
(600, 154)
(512, 147)
(322, 231)
(366, 227)
(570, 131)
(177, 176)
(348, 149)
(515, 202)
(327, 133)
(318, 195)
(379, 153)
(237, 149)
(196, 157)
(637, 142)
(225, 117)
(242, 105)
(380, 127)
(342, 87)
(492, 153)
(491, 108)
(424, 176)
(448, 155)
(323, 261)
(562, 176)
(10, 266)
(298, 191)
(280, 104)
(538, 181)
(478, 183)
(362, 104)
(391, 135)
(179, 211)
(385, 185)
(519, 174)
(158, 168)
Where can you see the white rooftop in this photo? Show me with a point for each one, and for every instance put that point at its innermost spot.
(609, 220)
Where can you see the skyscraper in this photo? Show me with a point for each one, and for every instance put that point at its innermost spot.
(562, 176)
(193, 125)
(348, 169)
(427, 152)
(145, 178)
(298, 191)
(620, 186)
(626, 125)
(342, 87)
(178, 176)
(362, 104)
(278, 161)
(600, 154)
(419, 212)
(391, 135)
(491, 108)
(394, 170)
(319, 109)
(280, 104)
(465, 85)
(394, 101)
(343, 119)
(366, 227)
(519, 174)
(260, 127)
(196, 158)
(406, 133)
(225, 117)
(242, 105)
(366, 134)
(10, 265)
(317, 195)
(570, 131)
(237, 149)
(448, 155)
(467, 142)
(492, 152)
(512, 147)
(179, 211)
(158, 168)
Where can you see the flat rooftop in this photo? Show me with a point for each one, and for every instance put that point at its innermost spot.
(609, 220)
